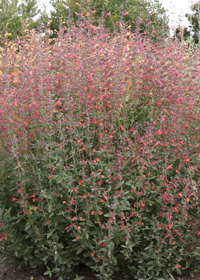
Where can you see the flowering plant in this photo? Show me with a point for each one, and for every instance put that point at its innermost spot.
(101, 135)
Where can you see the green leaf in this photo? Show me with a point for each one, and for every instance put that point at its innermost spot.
(48, 235)
(60, 245)
(79, 251)
(48, 273)
(129, 183)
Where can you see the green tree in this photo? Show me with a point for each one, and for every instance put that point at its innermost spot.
(60, 11)
(132, 11)
(192, 34)
(194, 21)
(190, 37)
(14, 12)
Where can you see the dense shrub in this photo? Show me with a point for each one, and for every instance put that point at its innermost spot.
(101, 135)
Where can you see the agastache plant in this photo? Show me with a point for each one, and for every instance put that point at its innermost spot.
(100, 154)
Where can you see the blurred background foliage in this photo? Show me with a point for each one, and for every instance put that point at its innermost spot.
(14, 12)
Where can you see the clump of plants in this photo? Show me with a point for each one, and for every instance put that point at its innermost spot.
(101, 134)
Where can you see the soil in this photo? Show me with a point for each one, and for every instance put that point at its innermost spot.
(9, 273)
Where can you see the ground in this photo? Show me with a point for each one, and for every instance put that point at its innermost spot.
(9, 273)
